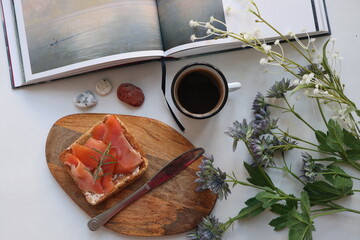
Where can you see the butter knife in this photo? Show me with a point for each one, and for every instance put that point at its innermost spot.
(167, 172)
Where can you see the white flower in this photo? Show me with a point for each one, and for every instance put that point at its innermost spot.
(209, 31)
(307, 78)
(212, 19)
(266, 48)
(296, 82)
(193, 23)
(257, 32)
(193, 38)
(263, 61)
(312, 40)
(208, 25)
(332, 39)
(291, 34)
(247, 36)
(277, 42)
(316, 90)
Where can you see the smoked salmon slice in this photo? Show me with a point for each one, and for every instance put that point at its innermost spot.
(128, 162)
(128, 159)
(86, 155)
(108, 163)
(83, 176)
(108, 172)
(98, 131)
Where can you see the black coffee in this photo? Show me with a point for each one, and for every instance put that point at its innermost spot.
(198, 92)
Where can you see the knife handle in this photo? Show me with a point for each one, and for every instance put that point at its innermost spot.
(96, 222)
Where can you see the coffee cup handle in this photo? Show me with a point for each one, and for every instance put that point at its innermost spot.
(234, 86)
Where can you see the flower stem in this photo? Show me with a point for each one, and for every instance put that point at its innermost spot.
(328, 212)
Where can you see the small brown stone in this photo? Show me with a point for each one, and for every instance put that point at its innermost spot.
(130, 94)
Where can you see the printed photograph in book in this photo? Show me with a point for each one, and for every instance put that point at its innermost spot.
(174, 17)
(61, 33)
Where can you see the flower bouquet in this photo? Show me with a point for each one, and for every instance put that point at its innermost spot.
(323, 176)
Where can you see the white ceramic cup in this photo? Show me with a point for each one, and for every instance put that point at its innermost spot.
(200, 90)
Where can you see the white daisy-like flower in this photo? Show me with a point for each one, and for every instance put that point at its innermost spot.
(277, 42)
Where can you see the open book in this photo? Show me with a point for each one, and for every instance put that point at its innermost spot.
(49, 39)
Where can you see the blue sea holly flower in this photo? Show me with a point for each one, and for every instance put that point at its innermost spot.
(279, 89)
(262, 151)
(286, 143)
(212, 178)
(312, 68)
(261, 115)
(264, 126)
(208, 229)
(259, 102)
(310, 169)
(239, 131)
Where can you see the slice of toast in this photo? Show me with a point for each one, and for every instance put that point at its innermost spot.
(119, 180)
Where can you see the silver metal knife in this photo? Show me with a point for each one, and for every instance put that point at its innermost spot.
(167, 172)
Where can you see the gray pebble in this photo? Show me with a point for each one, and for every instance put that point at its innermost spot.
(85, 100)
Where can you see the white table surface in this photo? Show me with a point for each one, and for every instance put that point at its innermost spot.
(33, 206)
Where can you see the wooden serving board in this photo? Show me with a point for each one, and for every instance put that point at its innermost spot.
(172, 208)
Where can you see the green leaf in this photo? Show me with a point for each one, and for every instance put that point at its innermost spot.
(351, 141)
(279, 223)
(353, 155)
(342, 183)
(301, 224)
(301, 232)
(267, 198)
(254, 208)
(321, 137)
(324, 62)
(335, 137)
(284, 209)
(301, 86)
(323, 192)
(357, 113)
(305, 204)
(258, 177)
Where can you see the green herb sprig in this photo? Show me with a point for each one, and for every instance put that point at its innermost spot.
(98, 172)
(323, 179)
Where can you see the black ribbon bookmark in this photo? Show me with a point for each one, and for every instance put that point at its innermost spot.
(163, 87)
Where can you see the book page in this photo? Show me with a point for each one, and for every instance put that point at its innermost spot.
(285, 15)
(64, 34)
(174, 17)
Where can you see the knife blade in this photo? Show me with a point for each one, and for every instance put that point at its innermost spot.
(167, 172)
